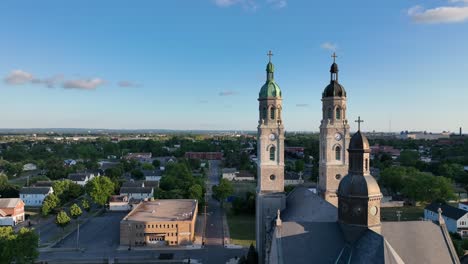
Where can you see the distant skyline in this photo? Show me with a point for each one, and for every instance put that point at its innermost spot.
(199, 65)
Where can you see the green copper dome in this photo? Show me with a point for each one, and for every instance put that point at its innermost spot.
(270, 88)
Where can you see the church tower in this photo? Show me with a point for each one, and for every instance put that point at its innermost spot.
(334, 137)
(270, 159)
(359, 194)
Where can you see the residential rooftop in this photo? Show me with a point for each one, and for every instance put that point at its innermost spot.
(163, 210)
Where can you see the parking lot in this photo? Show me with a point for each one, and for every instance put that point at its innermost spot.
(100, 233)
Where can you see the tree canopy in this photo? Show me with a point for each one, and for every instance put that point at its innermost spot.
(19, 247)
(100, 189)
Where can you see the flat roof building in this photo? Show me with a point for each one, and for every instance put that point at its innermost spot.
(160, 223)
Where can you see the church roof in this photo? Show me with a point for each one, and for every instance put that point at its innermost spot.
(309, 233)
(270, 88)
(359, 142)
(334, 89)
(358, 186)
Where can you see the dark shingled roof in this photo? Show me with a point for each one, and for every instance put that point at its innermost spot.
(136, 190)
(35, 190)
(334, 89)
(310, 233)
(44, 184)
(81, 176)
(447, 210)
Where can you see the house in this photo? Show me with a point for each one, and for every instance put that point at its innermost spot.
(293, 178)
(141, 157)
(164, 160)
(81, 178)
(463, 205)
(43, 184)
(29, 167)
(456, 219)
(140, 193)
(229, 173)
(11, 211)
(34, 196)
(153, 175)
(69, 162)
(119, 203)
(152, 184)
(244, 176)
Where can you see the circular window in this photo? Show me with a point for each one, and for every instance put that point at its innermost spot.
(272, 177)
(338, 176)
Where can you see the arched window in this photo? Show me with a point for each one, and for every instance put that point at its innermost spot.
(338, 153)
(272, 113)
(264, 113)
(338, 113)
(329, 113)
(272, 153)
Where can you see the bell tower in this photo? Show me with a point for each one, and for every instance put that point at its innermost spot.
(334, 137)
(359, 194)
(270, 159)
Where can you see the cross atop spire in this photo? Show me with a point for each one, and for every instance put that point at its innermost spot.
(269, 54)
(359, 121)
(334, 57)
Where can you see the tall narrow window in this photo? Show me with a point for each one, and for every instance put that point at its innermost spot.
(329, 113)
(367, 164)
(338, 153)
(264, 113)
(272, 153)
(338, 113)
(272, 113)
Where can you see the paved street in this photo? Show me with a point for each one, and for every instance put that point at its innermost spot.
(99, 238)
(214, 228)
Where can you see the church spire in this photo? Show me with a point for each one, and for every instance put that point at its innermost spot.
(334, 69)
(270, 68)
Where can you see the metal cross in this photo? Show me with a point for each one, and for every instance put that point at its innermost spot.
(359, 121)
(334, 57)
(269, 55)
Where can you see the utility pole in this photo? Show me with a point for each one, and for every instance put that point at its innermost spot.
(78, 237)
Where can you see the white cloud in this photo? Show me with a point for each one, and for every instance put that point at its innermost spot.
(128, 84)
(227, 93)
(18, 77)
(226, 3)
(50, 82)
(329, 46)
(83, 84)
(443, 14)
(278, 3)
(458, 1)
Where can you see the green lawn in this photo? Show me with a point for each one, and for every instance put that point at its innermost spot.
(241, 229)
(240, 188)
(408, 213)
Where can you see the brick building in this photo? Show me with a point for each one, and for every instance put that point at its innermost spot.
(160, 223)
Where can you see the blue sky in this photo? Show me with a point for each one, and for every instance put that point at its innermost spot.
(199, 64)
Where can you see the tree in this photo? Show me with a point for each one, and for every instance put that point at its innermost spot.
(85, 205)
(50, 203)
(223, 190)
(299, 165)
(26, 246)
(252, 256)
(156, 163)
(20, 247)
(137, 174)
(62, 219)
(409, 158)
(75, 211)
(425, 187)
(100, 189)
(196, 192)
(114, 173)
(147, 166)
